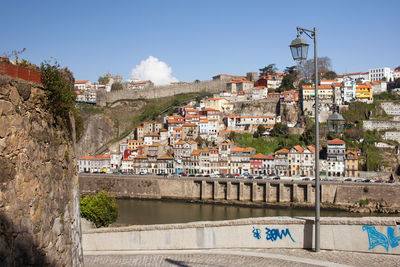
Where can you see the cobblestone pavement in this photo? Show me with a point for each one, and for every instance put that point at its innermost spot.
(185, 260)
(244, 257)
(340, 257)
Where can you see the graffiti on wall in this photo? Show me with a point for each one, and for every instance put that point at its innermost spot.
(376, 238)
(272, 234)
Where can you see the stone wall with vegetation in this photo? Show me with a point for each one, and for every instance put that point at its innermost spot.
(39, 196)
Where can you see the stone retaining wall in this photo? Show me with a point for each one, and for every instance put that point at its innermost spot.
(39, 195)
(235, 190)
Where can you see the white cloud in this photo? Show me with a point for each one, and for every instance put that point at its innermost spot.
(154, 70)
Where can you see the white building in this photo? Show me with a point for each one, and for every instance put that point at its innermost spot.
(259, 92)
(380, 73)
(396, 74)
(336, 157)
(115, 160)
(94, 164)
(127, 165)
(357, 76)
(349, 91)
(209, 129)
(82, 85)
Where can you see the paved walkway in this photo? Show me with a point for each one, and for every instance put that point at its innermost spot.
(244, 257)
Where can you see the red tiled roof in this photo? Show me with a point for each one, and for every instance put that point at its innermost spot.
(189, 125)
(352, 152)
(166, 156)
(258, 156)
(299, 149)
(336, 141)
(322, 86)
(282, 151)
(311, 148)
(354, 73)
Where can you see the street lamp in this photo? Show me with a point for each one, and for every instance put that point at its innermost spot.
(335, 123)
(299, 49)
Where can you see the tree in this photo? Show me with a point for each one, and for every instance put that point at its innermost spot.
(260, 130)
(329, 75)
(232, 136)
(292, 70)
(101, 209)
(268, 69)
(279, 129)
(116, 86)
(104, 79)
(308, 136)
(307, 67)
(287, 83)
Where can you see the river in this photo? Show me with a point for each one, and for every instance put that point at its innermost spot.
(143, 212)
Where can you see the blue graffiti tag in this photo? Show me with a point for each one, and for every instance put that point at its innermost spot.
(274, 234)
(376, 238)
(256, 233)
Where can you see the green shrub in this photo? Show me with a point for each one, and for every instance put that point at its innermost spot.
(101, 209)
(59, 86)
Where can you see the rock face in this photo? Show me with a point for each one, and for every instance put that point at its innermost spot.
(98, 131)
(39, 196)
(290, 113)
(250, 109)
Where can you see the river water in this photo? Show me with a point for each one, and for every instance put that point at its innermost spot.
(143, 212)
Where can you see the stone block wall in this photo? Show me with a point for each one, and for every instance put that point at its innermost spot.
(381, 125)
(39, 195)
(104, 98)
(391, 108)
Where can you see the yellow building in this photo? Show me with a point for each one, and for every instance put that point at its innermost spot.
(134, 144)
(364, 92)
(325, 92)
(351, 164)
(216, 103)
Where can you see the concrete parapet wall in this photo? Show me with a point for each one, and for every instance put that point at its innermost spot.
(245, 191)
(369, 234)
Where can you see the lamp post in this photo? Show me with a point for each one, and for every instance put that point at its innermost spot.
(299, 49)
(335, 123)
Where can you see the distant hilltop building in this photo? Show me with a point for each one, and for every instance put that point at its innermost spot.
(113, 78)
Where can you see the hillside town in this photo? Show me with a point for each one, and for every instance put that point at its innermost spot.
(196, 140)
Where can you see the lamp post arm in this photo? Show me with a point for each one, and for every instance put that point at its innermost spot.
(309, 33)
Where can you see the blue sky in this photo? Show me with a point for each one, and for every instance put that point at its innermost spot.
(199, 39)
